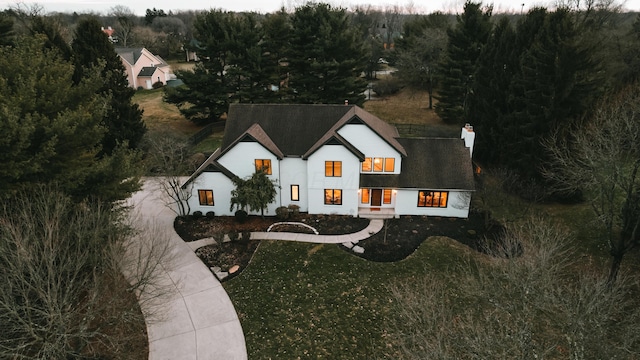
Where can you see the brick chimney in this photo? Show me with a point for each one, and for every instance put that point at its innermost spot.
(469, 137)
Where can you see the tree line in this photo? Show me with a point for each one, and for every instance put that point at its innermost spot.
(70, 154)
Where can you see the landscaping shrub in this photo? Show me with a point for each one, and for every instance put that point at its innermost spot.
(245, 237)
(241, 216)
(218, 237)
(233, 235)
(197, 214)
(294, 209)
(211, 214)
(386, 87)
(157, 85)
(282, 213)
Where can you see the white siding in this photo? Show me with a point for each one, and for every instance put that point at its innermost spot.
(240, 160)
(457, 205)
(293, 171)
(348, 182)
(370, 144)
(221, 186)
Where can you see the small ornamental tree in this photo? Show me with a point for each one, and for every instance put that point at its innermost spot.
(255, 192)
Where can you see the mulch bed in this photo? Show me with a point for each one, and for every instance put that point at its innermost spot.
(398, 239)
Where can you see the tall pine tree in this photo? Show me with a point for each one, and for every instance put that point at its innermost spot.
(232, 69)
(123, 120)
(52, 127)
(490, 107)
(326, 57)
(466, 42)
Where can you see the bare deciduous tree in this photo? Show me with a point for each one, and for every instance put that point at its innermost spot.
(168, 160)
(530, 307)
(126, 19)
(603, 160)
(63, 294)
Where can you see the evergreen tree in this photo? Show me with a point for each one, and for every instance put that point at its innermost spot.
(6, 29)
(277, 31)
(48, 27)
(52, 127)
(326, 57)
(490, 107)
(123, 119)
(255, 192)
(204, 97)
(466, 42)
(552, 91)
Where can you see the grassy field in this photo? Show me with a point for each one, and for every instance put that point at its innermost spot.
(310, 301)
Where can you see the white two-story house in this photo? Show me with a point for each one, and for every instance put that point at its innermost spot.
(336, 159)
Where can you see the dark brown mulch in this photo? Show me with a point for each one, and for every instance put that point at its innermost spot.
(192, 229)
(239, 251)
(397, 240)
(400, 237)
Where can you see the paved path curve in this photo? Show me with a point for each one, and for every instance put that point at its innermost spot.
(199, 319)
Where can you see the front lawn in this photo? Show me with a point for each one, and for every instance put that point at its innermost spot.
(299, 300)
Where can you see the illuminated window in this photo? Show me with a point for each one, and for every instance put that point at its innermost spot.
(366, 165)
(377, 164)
(332, 197)
(432, 198)
(295, 192)
(206, 197)
(264, 165)
(389, 164)
(364, 199)
(386, 196)
(333, 168)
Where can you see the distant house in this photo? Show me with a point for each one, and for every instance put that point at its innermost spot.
(143, 68)
(109, 31)
(338, 159)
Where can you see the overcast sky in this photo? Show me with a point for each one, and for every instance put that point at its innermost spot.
(265, 6)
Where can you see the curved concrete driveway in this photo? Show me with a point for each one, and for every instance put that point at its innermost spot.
(199, 320)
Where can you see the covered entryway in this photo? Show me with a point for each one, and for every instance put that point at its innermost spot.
(376, 203)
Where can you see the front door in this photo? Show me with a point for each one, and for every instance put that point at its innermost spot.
(376, 197)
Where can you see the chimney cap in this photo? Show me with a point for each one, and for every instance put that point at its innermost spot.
(346, 102)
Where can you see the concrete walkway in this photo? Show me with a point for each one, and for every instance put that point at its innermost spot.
(374, 227)
(199, 321)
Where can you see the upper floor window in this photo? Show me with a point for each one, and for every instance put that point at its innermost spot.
(205, 197)
(428, 198)
(333, 168)
(389, 164)
(378, 164)
(264, 165)
(366, 165)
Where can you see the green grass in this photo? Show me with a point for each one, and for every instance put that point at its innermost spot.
(210, 144)
(299, 300)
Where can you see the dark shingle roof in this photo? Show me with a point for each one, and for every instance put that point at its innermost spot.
(147, 71)
(131, 55)
(431, 164)
(298, 130)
